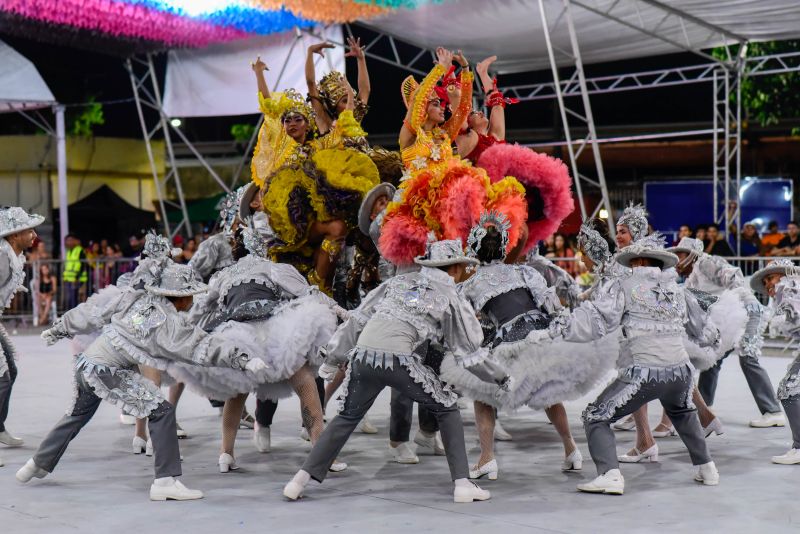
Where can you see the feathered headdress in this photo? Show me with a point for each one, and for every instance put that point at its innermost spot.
(290, 102)
(488, 219)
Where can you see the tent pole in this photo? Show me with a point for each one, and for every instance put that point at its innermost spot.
(61, 158)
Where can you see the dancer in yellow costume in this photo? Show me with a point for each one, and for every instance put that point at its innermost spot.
(442, 193)
(313, 185)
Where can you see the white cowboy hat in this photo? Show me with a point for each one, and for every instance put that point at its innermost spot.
(688, 245)
(646, 250)
(443, 253)
(15, 219)
(372, 195)
(246, 194)
(176, 280)
(782, 266)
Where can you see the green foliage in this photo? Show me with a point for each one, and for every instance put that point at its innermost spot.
(242, 132)
(770, 98)
(90, 116)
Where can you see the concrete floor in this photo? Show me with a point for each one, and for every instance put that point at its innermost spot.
(100, 487)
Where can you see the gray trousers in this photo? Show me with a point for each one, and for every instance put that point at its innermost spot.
(610, 406)
(402, 414)
(757, 379)
(365, 384)
(161, 421)
(790, 399)
(749, 349)
(8, 378)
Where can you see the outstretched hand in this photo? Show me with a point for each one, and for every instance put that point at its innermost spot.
(258, 65)
(355, 50)
(444, 57)
(461, 59)
(483, 66)
(319, 48)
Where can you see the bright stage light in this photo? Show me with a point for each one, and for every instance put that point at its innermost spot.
(603, 213)
(176, 123)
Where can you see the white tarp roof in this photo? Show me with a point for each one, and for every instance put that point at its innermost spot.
(21, 86)
(218, 81)
(512, 29)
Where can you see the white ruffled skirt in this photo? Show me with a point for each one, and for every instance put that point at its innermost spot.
(729, 315)
(286, 341)
(544, 373)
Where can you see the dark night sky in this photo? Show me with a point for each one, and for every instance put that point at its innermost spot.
(74, 75)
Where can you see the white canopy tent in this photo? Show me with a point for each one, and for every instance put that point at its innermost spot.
(609, 30)
(22, 89)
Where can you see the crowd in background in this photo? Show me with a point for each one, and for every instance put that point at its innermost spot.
(97, 264)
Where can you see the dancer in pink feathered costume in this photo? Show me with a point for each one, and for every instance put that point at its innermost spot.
(546, 179)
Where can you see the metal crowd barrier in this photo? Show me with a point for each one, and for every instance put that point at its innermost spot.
(29, 308)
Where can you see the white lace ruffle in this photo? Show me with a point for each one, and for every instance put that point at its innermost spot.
(789, 386)
(634, 377)
(17, 282)
(125, 388)
(7, 350)
(132, 351)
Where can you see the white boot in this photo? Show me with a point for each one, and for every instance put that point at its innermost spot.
(611, 483)
(148, 449)
(9, 440)
(169, 489)
(404, 454)
(708, 474)
(227, 463)
(366, 427)
(139, 445)
(500, 433)
(467, 491)
(432, 442)
(30, 470)
(489, 469)
(790, 458)
(262, 439)
(294, 489)
(769, 419)
(573, 462)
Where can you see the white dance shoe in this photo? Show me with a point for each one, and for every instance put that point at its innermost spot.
(247, 420)
(432, 443)
(611, 483)
(337, 466)
(9, 440)
(625, 424)
(262, 439)
(573, 462)
(227, 463)
(148, 450)
(30, 470)
(366, 427)
(634, 456)
(768, 420)
(489, 469)
(714, 427)
(790, 458)
(180, 432)
(500, 433)
(469, 492)
(125, 419)
(404, 454)
(1, 462)
(139, 445)
(304, 434)
(293, 490)
(169, 489)
(707, 474)
(668, 433)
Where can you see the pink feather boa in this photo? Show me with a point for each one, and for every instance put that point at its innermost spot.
(535, 171)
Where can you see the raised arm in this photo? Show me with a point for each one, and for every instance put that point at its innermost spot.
(418, 105)
(494, 99)
(259, 67)
(460, 112)
(363, 75)
(323, 119)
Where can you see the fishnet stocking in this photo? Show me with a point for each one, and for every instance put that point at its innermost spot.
(484, 420)
(310, 407)
(558, 416)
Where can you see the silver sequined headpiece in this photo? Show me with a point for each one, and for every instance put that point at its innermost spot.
(444, 253)
(635, 219)
(229, 209)
(488, 219)
(158, 247)
(254, 241)
(176, 280)
(593, 244)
